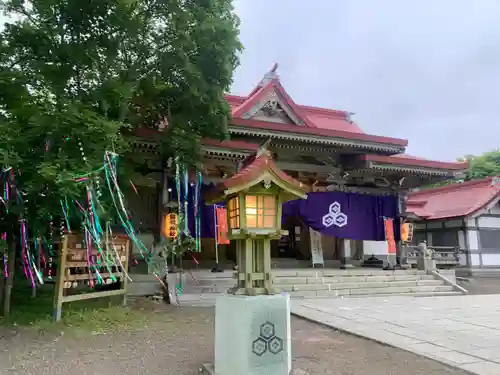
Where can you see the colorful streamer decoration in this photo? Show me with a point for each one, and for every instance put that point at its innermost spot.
(197, 209)
(178, 187)
(186, 197)
(101, 256)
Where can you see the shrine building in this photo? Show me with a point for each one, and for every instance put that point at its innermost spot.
(464, 215)
(356, 180)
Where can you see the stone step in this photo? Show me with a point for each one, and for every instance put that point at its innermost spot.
(209, 299)
(344, 273)
(381, 295)
(363, 285)
(218, 288)
(313, 278)
(342, 279)
(418, 294)
(370, 291)
(312, 283)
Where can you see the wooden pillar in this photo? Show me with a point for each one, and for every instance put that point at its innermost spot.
(248, 255)
(401, 258)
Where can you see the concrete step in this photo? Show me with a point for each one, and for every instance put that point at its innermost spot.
(430, 289)
(209, 299)
(363, 285)
(344, 279)
(343, 273)
(338, 289)
(381, 295)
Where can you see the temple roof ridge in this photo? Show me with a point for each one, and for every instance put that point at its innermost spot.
(454, 200)
(270, 89)
(259, 168)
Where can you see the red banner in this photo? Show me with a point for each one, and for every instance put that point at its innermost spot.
(221, 217)
(389, 236)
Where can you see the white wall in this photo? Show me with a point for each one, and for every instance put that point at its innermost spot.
(374, 248)
(490, 258)
(473, 244)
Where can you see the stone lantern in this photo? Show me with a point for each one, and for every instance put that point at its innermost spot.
(252, 322)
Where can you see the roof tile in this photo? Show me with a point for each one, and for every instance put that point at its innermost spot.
(262, 161)
(455, 200)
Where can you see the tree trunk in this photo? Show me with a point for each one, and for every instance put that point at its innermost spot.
(2, 286)
(10, 280)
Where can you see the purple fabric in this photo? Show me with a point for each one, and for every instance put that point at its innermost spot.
(345, 215)
(357, 216)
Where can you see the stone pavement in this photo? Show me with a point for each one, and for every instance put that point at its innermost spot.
(461, 331)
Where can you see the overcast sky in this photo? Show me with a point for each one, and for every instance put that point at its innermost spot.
(424, 70)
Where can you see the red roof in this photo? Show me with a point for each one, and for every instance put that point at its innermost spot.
(227, 144)
(413, 161)
(319, 122)
(321, 118)
(334, 133)
(262, 161)
(260, 93)
(232, 145)
(454, 200)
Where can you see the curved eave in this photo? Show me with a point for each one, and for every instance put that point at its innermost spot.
(412, 216)
(145, 146)
(413, 170)
(215, 151)
(269, 175)
(319, 139)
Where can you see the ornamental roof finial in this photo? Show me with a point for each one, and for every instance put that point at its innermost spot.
(269, 76)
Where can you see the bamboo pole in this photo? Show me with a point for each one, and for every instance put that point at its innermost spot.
(9, 283)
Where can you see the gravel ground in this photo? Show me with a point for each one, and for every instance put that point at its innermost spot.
(178, 340)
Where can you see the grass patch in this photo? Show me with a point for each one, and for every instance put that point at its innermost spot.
(92, 316)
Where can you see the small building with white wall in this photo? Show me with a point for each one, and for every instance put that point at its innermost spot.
(466, 215)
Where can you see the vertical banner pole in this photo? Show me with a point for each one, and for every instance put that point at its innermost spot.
(216, 227)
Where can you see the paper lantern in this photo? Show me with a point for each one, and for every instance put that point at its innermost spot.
(171, 225)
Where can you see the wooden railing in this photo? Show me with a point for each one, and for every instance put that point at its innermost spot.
(445, 256)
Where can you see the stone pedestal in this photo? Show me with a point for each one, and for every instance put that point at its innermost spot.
(429, 265)
(346, 259)
(252, 336)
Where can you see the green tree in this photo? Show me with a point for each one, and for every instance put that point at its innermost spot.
(481, 166)
(485, 165)
(84, 74)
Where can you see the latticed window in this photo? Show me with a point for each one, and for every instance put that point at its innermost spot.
(445, 238)
(261, 211)
(233, 206)
(418, 237)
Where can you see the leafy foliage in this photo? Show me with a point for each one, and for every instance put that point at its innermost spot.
(84, 74)
(487, 164)
(482, 166)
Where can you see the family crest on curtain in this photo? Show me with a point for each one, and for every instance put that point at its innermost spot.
(345, 215)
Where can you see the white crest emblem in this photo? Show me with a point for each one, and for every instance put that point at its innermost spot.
(335, 216)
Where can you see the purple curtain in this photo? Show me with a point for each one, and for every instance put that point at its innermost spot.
(345, 215)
